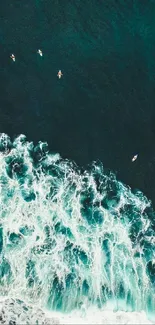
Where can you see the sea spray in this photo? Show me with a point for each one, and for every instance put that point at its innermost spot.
(72, 240)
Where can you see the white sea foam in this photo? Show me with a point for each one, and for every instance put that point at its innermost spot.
(94, 316)
(21, 313)
(73, 241)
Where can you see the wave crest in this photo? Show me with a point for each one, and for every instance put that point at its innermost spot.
(71, 239)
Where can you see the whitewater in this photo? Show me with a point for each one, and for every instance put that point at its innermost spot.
(76, 246)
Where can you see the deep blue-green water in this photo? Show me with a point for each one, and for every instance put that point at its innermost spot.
(73, 236)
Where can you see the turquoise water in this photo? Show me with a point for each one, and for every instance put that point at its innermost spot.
(72, 239)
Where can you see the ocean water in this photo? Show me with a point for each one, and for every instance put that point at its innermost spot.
(72, 241)
(103, 108)
(77, 220)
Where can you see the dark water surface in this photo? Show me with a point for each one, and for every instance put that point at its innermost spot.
(104, 106)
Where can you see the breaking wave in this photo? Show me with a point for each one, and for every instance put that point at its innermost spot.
(71, 240)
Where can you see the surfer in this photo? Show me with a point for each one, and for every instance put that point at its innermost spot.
(12, 56)
(134, 158)
(40, 52)
(59, 74)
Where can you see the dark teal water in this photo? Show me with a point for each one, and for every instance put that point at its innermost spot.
(72, 236)
(103, 107)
